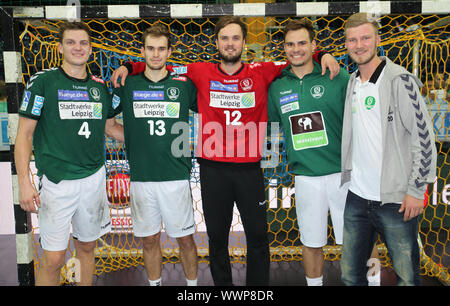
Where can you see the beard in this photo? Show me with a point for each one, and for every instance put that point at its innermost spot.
(298, 64)
(363, 61)
(230, 59)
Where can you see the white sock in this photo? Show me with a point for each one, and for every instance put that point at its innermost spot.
(318, 281)
(191, 282)
(374, 280)
(156, 282)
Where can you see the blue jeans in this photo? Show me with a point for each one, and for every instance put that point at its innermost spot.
(363, 219)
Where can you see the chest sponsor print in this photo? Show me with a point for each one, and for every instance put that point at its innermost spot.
(369, 102)
(289, 103)
(147, 109)
(73, 95)
(232, 100)
(79, 110)
(216, 85)
(151, 95)
(308, 130)
(317, 91)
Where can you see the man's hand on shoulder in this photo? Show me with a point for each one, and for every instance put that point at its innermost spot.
(122, 73)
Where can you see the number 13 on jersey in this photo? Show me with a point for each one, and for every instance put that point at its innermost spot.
(157, 127)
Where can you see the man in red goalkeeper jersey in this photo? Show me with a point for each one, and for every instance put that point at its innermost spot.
(232, 107)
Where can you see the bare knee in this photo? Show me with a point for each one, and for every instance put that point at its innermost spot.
(150, 242)
(186, 243)
(85, 247)
(53, 260)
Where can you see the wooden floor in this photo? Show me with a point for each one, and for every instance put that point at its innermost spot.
(282, 273)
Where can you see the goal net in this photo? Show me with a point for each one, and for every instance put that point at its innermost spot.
(417, 40)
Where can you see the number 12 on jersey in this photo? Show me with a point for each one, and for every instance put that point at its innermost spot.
(232, 118)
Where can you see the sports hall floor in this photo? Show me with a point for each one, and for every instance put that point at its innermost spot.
(282, 273)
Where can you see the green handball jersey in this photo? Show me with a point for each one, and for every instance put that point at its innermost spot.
(156, 126)
(71, 113)
(310, 111)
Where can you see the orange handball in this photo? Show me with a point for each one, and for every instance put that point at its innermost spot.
(118, 189)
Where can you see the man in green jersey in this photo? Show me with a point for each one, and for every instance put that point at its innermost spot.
(63, 114)
(310, 108)
(155, 108)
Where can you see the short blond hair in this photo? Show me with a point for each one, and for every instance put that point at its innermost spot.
(358, 19)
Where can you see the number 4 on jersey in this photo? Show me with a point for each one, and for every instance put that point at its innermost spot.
(84, 130)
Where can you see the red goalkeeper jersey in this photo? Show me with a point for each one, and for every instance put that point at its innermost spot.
(232, 108)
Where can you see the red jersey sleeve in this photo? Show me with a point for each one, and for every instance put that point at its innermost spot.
(136, 67)
(273, 71)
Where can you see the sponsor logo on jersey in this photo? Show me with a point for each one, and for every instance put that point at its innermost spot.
(151, 86)
(231, 81)
(115, 101)
(317, 91)
(172, 109)
(232, 100)
(179, 69)
(25, 100)
(95, 93)
(286, 92)
(308, 130)
(152, 95)
(369, 102)
(254, 65)
(288, 99)
(246, 84)
(216, 85)
(73, 95)
(156, 109)
(173, 93)
(180, 78)
(99, 80)
(290, 107)
(79, 110)
(37, 105)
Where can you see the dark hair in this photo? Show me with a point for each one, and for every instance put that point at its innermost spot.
(73, 26)
(298, 24)
(156, 30)
(226, 20)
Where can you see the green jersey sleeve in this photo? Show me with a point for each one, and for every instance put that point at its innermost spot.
(33, 98)
(272, 110)
(116, 100)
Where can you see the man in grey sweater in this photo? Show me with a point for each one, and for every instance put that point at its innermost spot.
(388, 155)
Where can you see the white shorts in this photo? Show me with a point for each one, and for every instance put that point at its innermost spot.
(82, 202)
(153, 203)
(314, 196)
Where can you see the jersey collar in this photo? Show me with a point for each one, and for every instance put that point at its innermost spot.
(162, 80)
(376, 74)
(236, 73)
(88, 76)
